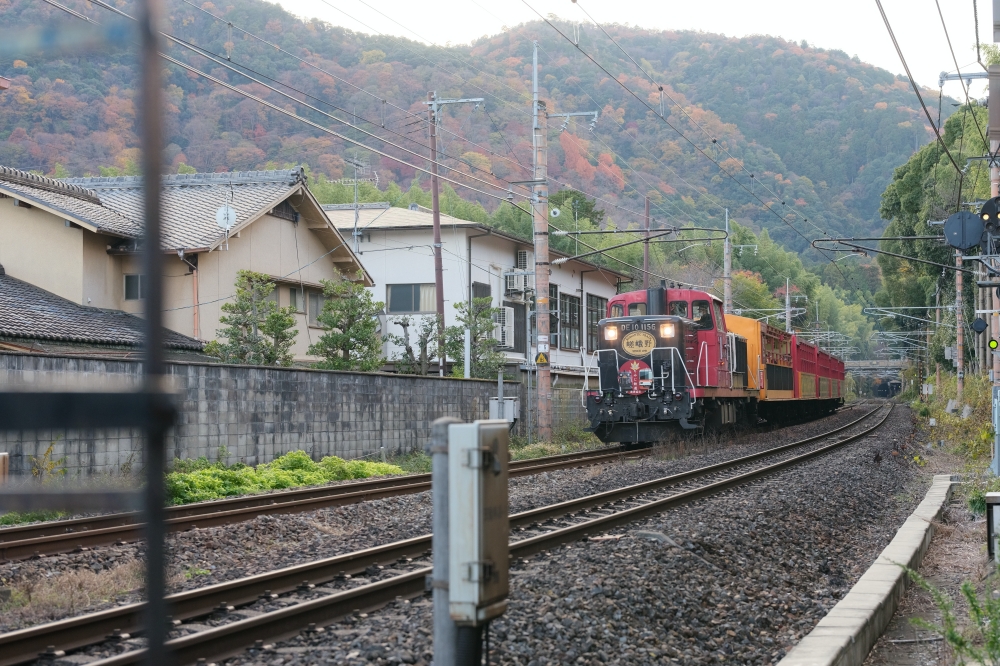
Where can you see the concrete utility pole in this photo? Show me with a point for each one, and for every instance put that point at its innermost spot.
(645, 251)
(788, 306)
(433, 106)
(727, 271)
(540, 218)
(959, 344)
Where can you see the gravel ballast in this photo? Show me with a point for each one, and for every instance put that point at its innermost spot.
(212, 555)
(738, 577)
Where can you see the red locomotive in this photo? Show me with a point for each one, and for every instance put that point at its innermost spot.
(669, 357)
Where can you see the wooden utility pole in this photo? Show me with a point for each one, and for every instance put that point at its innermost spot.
(436, 210)
(645, 250)
(433, 106)
(959, 343)
(727, 270)
(540, 219)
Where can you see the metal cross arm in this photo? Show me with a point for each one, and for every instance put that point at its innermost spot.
(436, 103)
(967, 77)
(563, 260)
(861, 248)
(567, 116)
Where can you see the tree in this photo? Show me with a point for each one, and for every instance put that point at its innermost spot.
(573, 203)
(257, 331)
(487, 361)
(417, 362)
(350, 315)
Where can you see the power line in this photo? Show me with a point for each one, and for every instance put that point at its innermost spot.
(663, 91)
(916, 90)
(418, 118)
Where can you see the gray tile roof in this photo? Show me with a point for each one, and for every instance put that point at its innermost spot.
(114, 205)
(191, 200)
(72, 201)
(28, 312)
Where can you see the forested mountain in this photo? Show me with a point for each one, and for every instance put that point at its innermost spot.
(819, 129)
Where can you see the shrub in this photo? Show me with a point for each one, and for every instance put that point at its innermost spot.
(199, 480)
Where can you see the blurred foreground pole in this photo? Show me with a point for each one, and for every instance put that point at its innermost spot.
(445, 630)
(152, 147)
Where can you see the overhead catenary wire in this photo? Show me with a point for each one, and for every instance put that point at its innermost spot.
(313, 124)
(766, 205)
(916, 91)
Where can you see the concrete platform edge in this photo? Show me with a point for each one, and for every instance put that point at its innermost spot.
(872, 601)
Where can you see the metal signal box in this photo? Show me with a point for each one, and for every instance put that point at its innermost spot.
(478, 527)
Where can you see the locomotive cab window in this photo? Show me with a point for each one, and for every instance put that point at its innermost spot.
(636, 309)
(617, 310)
(678, 309)
(701, 312)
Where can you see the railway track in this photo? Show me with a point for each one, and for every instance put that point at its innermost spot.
(317, 589)
(55, 537)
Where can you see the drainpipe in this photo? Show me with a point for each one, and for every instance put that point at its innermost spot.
(193, 263)
(583, 321)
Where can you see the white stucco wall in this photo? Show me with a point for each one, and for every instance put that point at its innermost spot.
(38, 247)
(404, 256)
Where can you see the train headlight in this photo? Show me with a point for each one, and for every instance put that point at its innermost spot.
(666, 330)
(610, 333)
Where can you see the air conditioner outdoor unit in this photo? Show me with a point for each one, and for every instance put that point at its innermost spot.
(514, 284)
(521, 260)
(503, 331)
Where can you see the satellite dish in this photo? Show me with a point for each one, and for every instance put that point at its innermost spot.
(225, 217)
(555, 212)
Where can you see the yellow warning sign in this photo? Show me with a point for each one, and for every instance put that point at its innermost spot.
(542, 359)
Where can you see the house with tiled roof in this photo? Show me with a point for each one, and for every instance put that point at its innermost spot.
(80, 238)
(34, 320)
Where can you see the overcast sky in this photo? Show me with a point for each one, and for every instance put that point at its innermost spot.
(853, 26)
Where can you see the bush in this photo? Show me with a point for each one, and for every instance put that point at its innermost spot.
(199, 480)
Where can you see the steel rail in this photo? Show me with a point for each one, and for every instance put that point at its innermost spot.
(232, 639)
(24, 645)
(66, 535)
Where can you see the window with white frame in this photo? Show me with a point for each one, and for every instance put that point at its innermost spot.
(410, 298)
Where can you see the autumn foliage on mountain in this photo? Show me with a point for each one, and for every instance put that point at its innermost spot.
(819, 130)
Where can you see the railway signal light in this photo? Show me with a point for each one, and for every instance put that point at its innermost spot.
(990, 215)
(993, 344)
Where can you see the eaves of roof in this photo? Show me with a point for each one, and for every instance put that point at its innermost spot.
(464, 224)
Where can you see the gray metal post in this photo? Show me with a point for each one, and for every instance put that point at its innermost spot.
(445, 630)
(468, 352)
(500, 409)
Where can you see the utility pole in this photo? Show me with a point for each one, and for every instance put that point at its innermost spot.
(727, 271)
(959, 345)
(788, 306)
(433, 106)
(645, 251)
(993, 134)
(540, 218)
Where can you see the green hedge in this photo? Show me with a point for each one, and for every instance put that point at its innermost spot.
(199, 480)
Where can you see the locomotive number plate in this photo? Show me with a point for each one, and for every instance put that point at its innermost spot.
(638, 343)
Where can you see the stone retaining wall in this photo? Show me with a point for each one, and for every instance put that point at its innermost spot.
(257, 413)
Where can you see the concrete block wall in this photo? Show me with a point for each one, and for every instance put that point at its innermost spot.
(257, 413)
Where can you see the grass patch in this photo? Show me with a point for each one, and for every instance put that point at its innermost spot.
(970, 438)
(199, 480)
(42, 599)
(15, 518)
